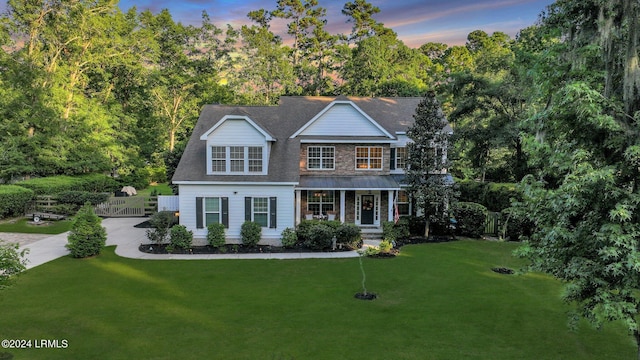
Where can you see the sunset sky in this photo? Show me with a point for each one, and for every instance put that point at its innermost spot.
(415, 21)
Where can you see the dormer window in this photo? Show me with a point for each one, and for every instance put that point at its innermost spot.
(237, 159)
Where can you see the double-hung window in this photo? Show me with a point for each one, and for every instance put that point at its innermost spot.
(261, 210)
(321, 157)
(403, 203)
(237, 159)
(212, 210)
(218, 159)
(368, 157)
(401, 157)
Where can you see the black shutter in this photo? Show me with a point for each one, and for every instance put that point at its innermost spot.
(247, 209)
(392, 161)
(199, 222)
(273, 211)
(225, 212)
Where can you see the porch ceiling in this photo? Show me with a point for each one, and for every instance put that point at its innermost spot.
(381, 182)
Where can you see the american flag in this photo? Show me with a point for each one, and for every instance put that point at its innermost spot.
(396, 213)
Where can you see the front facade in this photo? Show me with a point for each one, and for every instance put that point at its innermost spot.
(307, 158)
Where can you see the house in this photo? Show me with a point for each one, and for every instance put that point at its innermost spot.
(307, 157)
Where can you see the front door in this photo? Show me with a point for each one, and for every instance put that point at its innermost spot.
(367, 210)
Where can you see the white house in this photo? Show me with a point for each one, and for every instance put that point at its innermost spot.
(307, 157)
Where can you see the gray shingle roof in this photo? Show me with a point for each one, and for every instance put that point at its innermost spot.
(282, 121)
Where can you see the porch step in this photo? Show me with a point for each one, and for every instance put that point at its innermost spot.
(371, 234)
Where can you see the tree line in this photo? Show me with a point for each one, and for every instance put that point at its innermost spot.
(86, 87)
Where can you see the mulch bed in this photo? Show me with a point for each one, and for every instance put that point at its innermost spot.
(503, 270)
(230, 249)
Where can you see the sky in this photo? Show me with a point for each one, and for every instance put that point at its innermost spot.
(415, 21)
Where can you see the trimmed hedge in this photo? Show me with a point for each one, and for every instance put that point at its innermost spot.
(470, 219)
(494, 196)
(80, 198)
(53, 185)
(14, 200)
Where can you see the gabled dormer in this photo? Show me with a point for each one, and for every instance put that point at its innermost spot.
(343, 118)
(236, 145)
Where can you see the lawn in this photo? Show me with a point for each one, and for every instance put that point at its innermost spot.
(22, 225)
(435, 301)
(160, 189)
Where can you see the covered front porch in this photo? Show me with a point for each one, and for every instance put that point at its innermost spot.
(366, 201)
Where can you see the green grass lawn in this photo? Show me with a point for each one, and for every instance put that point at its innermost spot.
(435, 301)
(21, 225)
(161, 189)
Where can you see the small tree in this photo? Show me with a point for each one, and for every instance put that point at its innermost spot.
(87, 236)
(427, 162)
(161, 223)
(12, 263)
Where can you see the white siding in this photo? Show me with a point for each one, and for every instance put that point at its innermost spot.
(236, 132)
(342, 120)
(236, 195)
(168, 203)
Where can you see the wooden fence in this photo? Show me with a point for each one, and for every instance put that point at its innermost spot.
(133, 206)
(492, 223)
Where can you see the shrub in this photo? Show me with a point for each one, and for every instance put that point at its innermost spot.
(348, 234)
(515, 225)
(180, 238)
(416, 225)
(251, 232)
(14, 200)
(215, 235)
(385, 246)
(289, 238)
(79, 198)
(370, 251)
(471, 219)
(303, 229)
(494, 196)
(161, 223)
(393, 231)
(319, 237)
(87, 236)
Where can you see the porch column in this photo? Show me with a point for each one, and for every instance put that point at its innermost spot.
(298, 206)
(342, 205)
(390, 206)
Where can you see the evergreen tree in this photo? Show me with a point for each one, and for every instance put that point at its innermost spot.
(87, 236)
(427, 164)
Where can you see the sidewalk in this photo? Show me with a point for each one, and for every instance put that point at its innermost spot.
(122, 233)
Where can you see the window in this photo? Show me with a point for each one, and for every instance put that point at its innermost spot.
(369, 158)
(211, 210)
(401, 157)
(218, 159)
(320, 202)
(261, 210)
(212, 213)
(320, 157)
(255, 159)
(237, 159)
(236, 154)
(403, 203)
